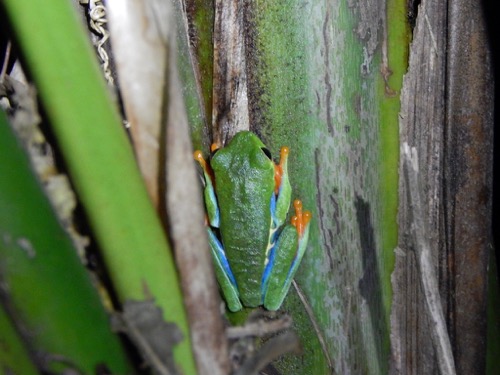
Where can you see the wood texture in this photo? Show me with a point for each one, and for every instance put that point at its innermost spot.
(446, 115)
(230, 96)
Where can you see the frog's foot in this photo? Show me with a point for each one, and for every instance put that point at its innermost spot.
(301, 219)
(301, 222)
(282, 190)
(214, 147)
(207, 170)
(211, 204)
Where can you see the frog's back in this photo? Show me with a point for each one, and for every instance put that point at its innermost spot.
(244, 184)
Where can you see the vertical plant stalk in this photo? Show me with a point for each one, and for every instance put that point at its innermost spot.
(394, 66)
(150, 82)
(100, 160)
(139, 33)
(230, 95)
(185, 216)
(189, 237)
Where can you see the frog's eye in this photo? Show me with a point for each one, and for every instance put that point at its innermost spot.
(267, 152)
(213, 152)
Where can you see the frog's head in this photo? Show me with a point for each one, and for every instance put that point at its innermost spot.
(245, 146)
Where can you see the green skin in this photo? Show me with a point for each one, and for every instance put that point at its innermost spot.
(243, 237)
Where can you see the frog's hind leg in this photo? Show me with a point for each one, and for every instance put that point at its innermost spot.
(223, 273)
(285, 258)
(274, 282)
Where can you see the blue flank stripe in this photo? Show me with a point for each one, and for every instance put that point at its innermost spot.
(270, 263)
(273, 210)
(222, 257)
(267, 272)
(274, 199)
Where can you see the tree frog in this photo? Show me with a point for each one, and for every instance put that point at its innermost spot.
(247, 197)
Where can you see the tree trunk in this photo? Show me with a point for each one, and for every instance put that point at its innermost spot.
(447, 115)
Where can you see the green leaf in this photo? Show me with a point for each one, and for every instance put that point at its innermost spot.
(47, 290)
(13, 354)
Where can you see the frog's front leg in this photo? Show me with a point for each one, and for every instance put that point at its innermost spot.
(211, 204)
(282, 190)
(285, 258)
(223, 273)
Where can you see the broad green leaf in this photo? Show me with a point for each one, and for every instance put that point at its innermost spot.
(46, 288)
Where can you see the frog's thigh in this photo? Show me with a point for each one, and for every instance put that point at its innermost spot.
(224, 273)
(285, 252)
